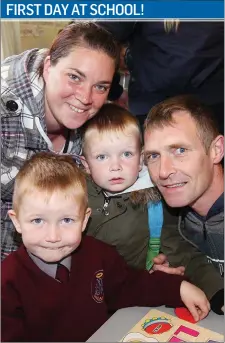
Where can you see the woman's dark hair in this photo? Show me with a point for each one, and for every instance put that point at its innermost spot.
(82, 34)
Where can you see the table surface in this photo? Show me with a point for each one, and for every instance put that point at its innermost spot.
(123, 320)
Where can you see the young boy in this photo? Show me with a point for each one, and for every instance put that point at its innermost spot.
(119, 187)
(58, 288)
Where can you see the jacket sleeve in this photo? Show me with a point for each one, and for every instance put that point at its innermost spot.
(181, 253)
(12, 319)
(120, 30)
(11, 136)
(125, 286)
(12, 156)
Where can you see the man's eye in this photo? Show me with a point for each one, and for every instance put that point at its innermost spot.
(181, 151)
(37, 221)
(74, 77)
(101, 157)
(127, 154)
(67, 220)
(151, 158)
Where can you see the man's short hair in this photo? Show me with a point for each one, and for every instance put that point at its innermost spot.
(161, 115)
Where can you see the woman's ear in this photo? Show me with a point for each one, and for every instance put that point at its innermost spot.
(13, 217)
(47, 65)
(85, 164)
(217, 149)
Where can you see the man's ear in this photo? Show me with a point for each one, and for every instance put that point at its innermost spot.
(85, 164)
(87, 215)
(47, 65)
(217, 149)
(141, 160)
(13, 217)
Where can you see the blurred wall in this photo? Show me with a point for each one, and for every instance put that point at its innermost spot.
(10, 38)
(39, 34)
(24, 35)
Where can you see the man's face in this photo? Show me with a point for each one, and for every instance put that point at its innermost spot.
(177, 161)
(113, 158)
(51, 227)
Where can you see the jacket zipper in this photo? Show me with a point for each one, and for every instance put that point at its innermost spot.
(105, 207)
(204, 232)
(180, 231)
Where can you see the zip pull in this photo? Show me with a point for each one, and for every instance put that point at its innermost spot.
(105, 206)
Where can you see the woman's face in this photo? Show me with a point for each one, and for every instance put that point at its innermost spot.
(76, 87)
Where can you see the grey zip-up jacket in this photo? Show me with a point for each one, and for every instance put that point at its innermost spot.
(207, 236)
(197, 244)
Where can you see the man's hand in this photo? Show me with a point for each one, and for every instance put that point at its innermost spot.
(161, 263)
(195, 300)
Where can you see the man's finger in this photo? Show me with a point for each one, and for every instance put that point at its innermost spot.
(169, 270)
(165, 264)
(181, 269)
(160, 259)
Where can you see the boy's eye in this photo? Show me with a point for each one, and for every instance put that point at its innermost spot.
(127, 154)
(68, 220)
(37, 221)
(101, 157)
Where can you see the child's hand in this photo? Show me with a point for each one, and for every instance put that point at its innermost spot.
(195, 300)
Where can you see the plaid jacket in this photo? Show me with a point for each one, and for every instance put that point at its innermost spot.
(22, 105)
